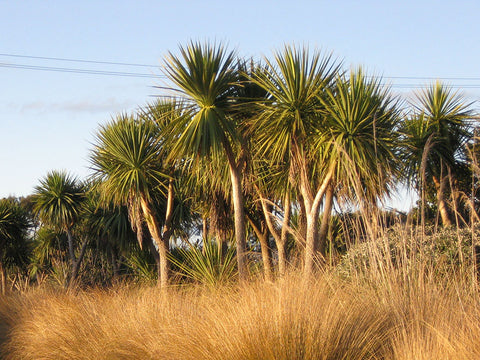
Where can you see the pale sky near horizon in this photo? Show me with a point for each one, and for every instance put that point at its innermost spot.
(48, 118)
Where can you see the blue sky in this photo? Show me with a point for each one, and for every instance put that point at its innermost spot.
(47, 119)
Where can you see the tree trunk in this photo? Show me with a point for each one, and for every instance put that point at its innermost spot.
(442, 208)
(281, 236)
(164, 268)
(282, 258)
(73, 260)
(327, 212)
(266, 256)
(3, 279)
(156, 234)
(261, 231)
(282, 244)
(311, 246)
(78, 261)
(221, 239)
(71, 250)
(312, 207)
(442, 205)
(302, 224)
(239, 214)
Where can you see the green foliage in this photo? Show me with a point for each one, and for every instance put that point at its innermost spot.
(141, 265)
(127, 160)
(206, 265)
(205, 76)
(292, 111)
(58, 199)
(293, 124)
(416, 143)
(14, 238)
(50, 247)
(450, 119)
(434, 139)
(359, 134)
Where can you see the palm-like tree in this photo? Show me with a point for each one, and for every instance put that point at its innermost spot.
(58, 201)
(359, 140)
(109, 226)
(129, 165)
(416, 143)
(14, 225)
(442, 123)
(289, 117)
(205, 76)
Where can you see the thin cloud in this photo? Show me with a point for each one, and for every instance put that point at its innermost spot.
(85, 106)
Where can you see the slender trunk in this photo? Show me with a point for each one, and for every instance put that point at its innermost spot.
(3, 278)
(204, 229)
(167, 228)
(302, 224)
(282, 249)
(162, 249)
(281, 236)
(442, 204)
(261, 231)
(455, 198)
(164, 267)
(73, 260)
(78, 261)
(311, 244)
(239, 214)
(312, 206)
(282, 258)
(442, 208)
(327, 212)
(71, 250)
(266, 256)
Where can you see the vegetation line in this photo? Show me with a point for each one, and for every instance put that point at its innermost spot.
(250, 194)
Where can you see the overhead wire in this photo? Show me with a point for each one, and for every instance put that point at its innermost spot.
(76, 70)
(77, 60)
(79, 71)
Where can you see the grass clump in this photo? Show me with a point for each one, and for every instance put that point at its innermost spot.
(325, 318)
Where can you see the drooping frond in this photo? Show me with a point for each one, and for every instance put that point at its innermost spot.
(292, 110)
(127, 159)
(205, 76)
(450, 118)
(58, 199)
(360, 133)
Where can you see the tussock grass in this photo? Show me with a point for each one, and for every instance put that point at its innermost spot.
(325, 318)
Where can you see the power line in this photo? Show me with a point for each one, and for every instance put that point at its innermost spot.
(79, 71)
(145, 75)
(421, 86)
(430, 78)
(78, 60)
(159, 65)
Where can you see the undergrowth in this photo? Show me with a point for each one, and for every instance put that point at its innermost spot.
(327, 317)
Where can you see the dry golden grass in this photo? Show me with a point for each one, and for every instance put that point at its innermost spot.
(328, 318)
